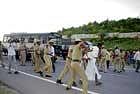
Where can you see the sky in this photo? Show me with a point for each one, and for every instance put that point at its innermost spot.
(36, 16)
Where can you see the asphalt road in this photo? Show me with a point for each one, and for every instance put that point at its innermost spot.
(28, 82)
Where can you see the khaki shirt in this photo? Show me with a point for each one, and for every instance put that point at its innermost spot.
(37, 50)
(22, 47)
(70, 51)
(77, 52)
(122, 54)
(46, 51)
(108, 56)
(103, 52)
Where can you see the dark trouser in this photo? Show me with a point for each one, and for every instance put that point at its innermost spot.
(96, 79)
(107, 63)
(53, 61)
(138, 65)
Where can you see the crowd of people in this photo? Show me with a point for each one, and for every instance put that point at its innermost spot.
(83, 60)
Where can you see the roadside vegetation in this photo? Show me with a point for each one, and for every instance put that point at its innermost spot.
(128, 25)
(4, 89)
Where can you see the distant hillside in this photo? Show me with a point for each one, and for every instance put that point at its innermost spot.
(122, 26)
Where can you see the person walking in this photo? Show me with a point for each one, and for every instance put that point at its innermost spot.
(67, 67)
(48, 62)
(117, 60)
(1, 54)
(91, 69)
(76, 69)
(52, 53)
(137, 58)
(12, 59)
(22, 53)
(38, 61)
(103, 60)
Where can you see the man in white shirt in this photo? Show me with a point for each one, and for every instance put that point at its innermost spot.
(91, 69)
(137, 58)
(11, 58)
(52, 53)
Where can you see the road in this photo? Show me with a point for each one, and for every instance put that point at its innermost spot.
(28, 82)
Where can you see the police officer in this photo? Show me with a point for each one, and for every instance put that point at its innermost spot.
(67, 67)
(122, 55)
(32, 54)
(37, 67)
(117, 60)
(76, 69)
(48, 62)
(103, 59)
(52, 53)
(22, 53)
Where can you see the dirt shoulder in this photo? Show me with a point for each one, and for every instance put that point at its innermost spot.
(5, 89)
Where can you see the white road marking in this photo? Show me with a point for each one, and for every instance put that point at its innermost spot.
(51, 81)
(117, 75)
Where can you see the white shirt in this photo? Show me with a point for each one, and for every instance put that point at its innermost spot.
(51, 51)
(94, 52)
(137, 55)
(11, 51)
(117, 52)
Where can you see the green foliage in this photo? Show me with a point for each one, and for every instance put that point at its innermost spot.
(123, 25)
(124, 43)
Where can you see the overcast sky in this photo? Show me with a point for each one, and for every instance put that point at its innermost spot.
(52, 15)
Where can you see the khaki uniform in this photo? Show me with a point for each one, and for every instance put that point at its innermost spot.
(37, 67)
(22, 53)
(122, 54)
(48, 62)
(67, 67)
(77, 70)
(111, 57)
(32, 55)
(103, 59)
(117, 61)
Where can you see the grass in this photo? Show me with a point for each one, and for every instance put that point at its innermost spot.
(123, 43)
(4, 89)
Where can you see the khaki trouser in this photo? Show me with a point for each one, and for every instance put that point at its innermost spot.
(22, 57)
(37, 67)
(48, 65)
(67, 68)
(122, 64)
(33, 58)
(117, 63)
(77, 70)
(103, 65)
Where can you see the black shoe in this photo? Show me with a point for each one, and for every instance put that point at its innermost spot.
(48, 76)
(41, 74)
(74, 84)
(59, 81)
(123, 70)
(98, 83)
(68, 88)
(114, 70)
(100, 70)
(16, 72)
(80, 82)
(3, 66)
(137, 71)
(118, 71)
(9, 72)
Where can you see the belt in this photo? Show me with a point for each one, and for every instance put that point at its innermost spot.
(69, 58)
(76, 60)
